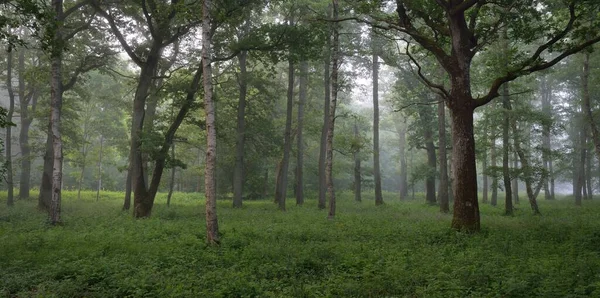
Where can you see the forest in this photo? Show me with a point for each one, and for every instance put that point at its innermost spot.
(308, 148)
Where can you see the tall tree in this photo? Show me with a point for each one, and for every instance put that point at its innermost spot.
(326, 120)
(28, 98)
(401, 130)
(357, 167)
(281, 191)
(302, 93)
(335, 63)
(376, 164)
(210, 192)
(238, 173)
(443, 186)
(454, 32)
(9, 115)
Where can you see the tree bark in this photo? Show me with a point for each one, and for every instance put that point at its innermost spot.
(212, 226)
(464, 172)
(357, 168)
(172, 179)
(376, 164)
(443, 186)
(484, 165)
(508, 202)
(587, 105)
(45, 195)
(546, 146)
(493, 159)
(303, 89)
(25, 101)
(401, 129)
(281, 191)
(431, 162)
(100, 168)
(238, 172)
(55, 113)
(128, 187)
(8, 146)
(332, 105)
(325, 129)
(588, 174)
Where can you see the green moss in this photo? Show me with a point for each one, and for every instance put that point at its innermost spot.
(401, 249)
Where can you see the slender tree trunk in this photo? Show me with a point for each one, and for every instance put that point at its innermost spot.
(588, 173)
(508, 202)
(484, 165)
(55, 113)
(493, 157)
(100, 168)
(303, 89)
(582, 191)
(25, 102)
(357, 169)
(9, 115)
(81, 174)
(172, 180)
(281, 192)
(464, 172)
(546, 147)
(376, 165)
(431, 163)
(332, 105)
(325, 129)
(45, 195)
(443, 187)
(403, 164)
(212, 226)
(238, 172)
(128, 187)
(515, 182)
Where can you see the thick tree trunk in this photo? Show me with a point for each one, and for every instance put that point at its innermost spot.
(128, 186)
(8, 145)
(464, 172)
(212, 226)
(401, 129)
(357, 169)
(376, 165)
(303, 89)
(508, 202)
(325, 129)
(332, 105)
(55, 114)
(238, 171)
(443, 187)
(281, 191)
(142, 202)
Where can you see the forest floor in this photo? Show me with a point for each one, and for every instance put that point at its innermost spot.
(400, 249)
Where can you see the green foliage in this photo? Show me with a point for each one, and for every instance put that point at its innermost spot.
(400, 249)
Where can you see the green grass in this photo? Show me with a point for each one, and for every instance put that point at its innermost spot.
(401, 249)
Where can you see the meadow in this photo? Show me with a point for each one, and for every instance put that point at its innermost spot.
(400, 249)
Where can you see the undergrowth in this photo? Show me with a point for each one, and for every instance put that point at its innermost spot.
(400, 249)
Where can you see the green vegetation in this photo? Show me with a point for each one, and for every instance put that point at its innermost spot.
(400, 249)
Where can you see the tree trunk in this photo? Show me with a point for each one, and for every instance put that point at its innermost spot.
(515, 182)
(431, 163)
(580, 188)
(238, 171)
(172, 180)
(45, 195)
(26, 118)
(357, 170)
(100, 168)
(508, 202)
(401, 129)
(376, 165)
(128, 186)
(443, 187)
(55, 113)
(484, 165)
(9, 115)
(325, 129)
(587, 106)
(464, 172)
(546, 147)
(493, 157)
(303, 89)
(281, 191)
(332, 105)
(212, 226)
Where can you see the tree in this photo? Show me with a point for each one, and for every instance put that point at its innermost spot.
(212, 224)
(9, 115)
(302, 94)
(454, 32)
(376, 164)
(335, 59)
